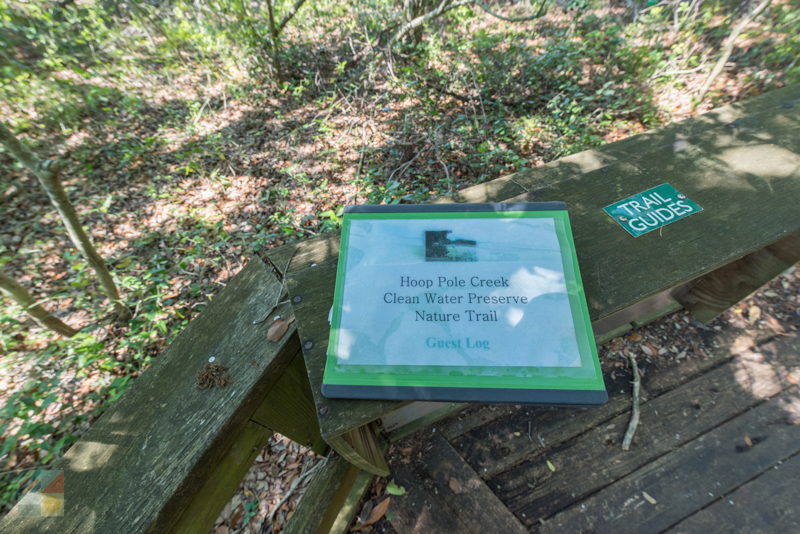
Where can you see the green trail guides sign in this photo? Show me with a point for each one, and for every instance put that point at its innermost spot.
(461, 302)
(652, 209)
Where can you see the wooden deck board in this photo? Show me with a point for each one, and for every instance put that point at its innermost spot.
(668, 421)
(420, 510)
(446, 493)
(743, 510)
(681, 482)
(503, 441)
(711, 429)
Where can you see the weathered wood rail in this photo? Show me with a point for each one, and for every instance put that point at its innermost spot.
(167, 456)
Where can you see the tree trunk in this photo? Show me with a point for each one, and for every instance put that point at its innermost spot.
(17, 292)
(443, 7)
(48, 178)
(275, 48)
(413, 9)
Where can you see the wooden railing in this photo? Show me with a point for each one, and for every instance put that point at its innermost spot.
(167, 456)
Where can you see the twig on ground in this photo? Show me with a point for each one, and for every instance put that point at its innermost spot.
(637, 384)
(360, 163)
(404, 167)
(676, 72)
(437, 135)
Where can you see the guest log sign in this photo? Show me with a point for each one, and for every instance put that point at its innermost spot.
(461, 302)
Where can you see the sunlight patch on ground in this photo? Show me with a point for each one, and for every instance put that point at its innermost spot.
(756, 375)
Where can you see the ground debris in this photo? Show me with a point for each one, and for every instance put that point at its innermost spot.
(213, 375)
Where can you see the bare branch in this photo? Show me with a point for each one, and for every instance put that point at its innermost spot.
(443, 7)
(727, 49)
(290, 14)
(17, 292)
(538, 14)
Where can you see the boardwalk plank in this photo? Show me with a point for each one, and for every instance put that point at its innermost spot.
(668, 421)
(688, 479)
(420, 510)
(505, 442)
(765, 505)
(446, 494)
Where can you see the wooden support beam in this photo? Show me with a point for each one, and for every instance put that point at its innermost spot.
(331, 500)
(363, 448)
(289, 407)
(715, 292)
(217, 489)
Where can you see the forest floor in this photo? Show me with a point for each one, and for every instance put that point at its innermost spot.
(180, 176)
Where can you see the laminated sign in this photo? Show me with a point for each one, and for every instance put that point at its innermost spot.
(652, 209)
(461, 302)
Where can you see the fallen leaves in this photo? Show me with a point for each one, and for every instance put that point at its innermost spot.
(213, 375)
(279, 327)
(237, 515)
(374, 513)
(271, 489)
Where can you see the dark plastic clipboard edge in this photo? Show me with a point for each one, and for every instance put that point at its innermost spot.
(544, 397)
